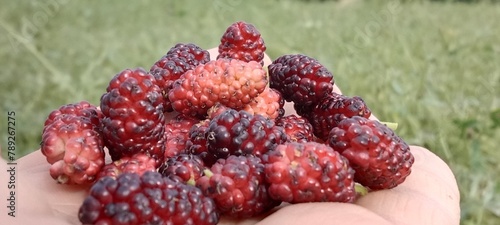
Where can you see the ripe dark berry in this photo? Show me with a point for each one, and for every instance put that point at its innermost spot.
(300, 79)
(334, 108)
(237, 185)
(241, 133)
(197, 142)
(192, 54)
(184, 167)
(381, 159)
(147, 199)
(242, 41)
(133, 115)
(177, 134)
(308, 172)
(297, 128)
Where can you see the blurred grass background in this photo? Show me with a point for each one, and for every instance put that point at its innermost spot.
(433, 67)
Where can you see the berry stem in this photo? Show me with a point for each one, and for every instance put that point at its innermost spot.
(208, 173)
(391, 125)
(191, 182)
(360, 189)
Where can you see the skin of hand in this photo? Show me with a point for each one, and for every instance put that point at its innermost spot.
(429, 195)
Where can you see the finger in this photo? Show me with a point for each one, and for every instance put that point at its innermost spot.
(214, 52)
(324, 213)
(429, 195)
(224, 220)
(40, 194)
(336, 89)
(34, 218)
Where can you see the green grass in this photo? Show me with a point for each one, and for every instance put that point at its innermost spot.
(431, 67)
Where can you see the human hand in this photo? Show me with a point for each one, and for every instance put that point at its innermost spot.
(429, 195)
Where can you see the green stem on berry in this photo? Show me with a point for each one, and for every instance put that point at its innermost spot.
(62, 179)
(208, 173)
(191, 182)
(391, 125)
(360, 189)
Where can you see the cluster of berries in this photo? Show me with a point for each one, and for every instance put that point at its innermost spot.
(193, 139)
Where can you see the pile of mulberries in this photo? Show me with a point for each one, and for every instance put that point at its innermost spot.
(197, 137)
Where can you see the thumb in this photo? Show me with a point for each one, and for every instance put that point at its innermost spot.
(429, 195)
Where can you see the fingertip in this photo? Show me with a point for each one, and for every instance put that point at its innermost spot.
(428, 164)
(267, 60)
(336, 89)
(214, 52)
